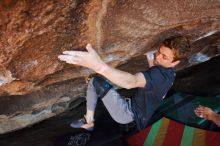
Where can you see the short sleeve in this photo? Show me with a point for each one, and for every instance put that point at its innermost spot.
(148, 79)
(157, 81)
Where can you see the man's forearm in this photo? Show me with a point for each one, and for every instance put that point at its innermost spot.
(118, 77)
(216, 119)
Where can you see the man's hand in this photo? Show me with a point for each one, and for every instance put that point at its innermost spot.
(150, 57)
(204, 112)
(88, 59)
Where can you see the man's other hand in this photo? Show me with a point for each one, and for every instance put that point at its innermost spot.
(204, 112)
(150, 57)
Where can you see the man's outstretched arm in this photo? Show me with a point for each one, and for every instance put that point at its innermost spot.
(93, 61)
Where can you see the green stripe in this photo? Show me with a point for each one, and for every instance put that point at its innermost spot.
(187, 138)
(152, 134)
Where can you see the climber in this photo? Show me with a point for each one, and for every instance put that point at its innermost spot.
(208, 114)
(150, 86)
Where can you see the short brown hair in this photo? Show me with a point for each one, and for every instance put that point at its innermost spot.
(179, 44)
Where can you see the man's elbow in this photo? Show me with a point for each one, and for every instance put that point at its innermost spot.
(128, 87)
(137, 81)
(131, 85)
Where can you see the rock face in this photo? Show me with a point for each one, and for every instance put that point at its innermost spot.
(33, 33)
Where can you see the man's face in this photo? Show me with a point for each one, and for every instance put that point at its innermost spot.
(164, 57)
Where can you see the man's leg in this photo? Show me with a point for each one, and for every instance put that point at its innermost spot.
(118, 108)
(91, 101)
(97, 88)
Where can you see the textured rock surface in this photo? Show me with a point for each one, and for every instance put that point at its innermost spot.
(34, 33)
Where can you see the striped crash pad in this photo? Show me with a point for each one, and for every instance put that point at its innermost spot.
(166, 132)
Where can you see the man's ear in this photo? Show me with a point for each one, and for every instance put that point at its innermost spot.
(175, 63)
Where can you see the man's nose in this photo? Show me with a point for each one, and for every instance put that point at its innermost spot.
(158, 56)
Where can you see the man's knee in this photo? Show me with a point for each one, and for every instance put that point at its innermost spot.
(101, 86)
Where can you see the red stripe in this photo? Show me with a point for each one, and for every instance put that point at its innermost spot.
(212, 138)
(174, 134)
(139, 138)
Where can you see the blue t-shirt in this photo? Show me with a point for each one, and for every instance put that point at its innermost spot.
(146, 100)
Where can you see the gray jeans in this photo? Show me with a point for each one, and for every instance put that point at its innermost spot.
(118, 107)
